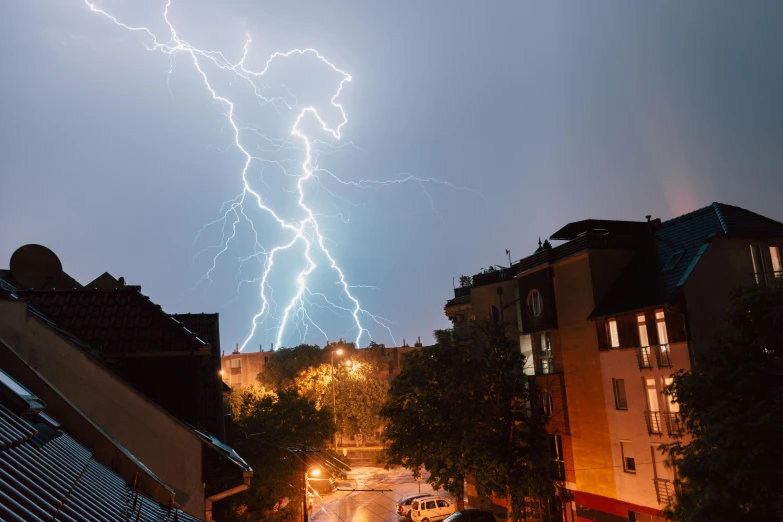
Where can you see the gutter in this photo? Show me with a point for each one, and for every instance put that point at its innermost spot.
(246, 475)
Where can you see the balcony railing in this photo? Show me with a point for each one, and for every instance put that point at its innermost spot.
(663, 355)
(672, 420)
(653, 419)
(644, 358)
(765, 278)
(664, 490)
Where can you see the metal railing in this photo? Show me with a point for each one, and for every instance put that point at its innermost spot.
(644, 358)
(664, 490)
(663, 355)
(653, 420)
(765, 278)
(672, 420)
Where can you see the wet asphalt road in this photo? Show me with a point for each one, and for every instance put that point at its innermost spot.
(368, 506)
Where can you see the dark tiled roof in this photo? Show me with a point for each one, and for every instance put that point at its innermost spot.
(644, 284)
(45, 474)
(66, 282)
(578, 228)
(205, 326)
(115, 321)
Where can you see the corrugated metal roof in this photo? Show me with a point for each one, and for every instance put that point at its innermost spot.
(56, 478)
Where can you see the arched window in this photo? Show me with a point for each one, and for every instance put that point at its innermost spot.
(534, 302)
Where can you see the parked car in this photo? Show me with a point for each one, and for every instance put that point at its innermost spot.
(404, 504)
(431, 509)
(471, 515)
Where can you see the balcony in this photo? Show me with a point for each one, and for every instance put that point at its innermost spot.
(663, 355)
(765, 278)
(644, 357)
(653, 419)
(672, 420)
(664, 490)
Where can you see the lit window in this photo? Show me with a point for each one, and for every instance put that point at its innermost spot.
(534, 303)
(629, 463)
(672, 406)
(614, 337)
(642, 325)
(545, 359)
(777, 266)
(235, 363)
(620, 400)
(660, 323)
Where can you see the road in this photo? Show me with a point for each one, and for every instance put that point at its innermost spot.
(368, 506)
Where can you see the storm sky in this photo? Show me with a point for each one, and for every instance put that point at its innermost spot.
(534, 114)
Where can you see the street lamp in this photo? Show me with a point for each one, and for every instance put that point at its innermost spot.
(338, 351)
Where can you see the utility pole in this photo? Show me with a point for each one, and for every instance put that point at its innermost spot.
(304, 451)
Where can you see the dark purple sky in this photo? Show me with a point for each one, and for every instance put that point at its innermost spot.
(548, 113)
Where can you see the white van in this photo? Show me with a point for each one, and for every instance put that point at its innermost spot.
(431, 509)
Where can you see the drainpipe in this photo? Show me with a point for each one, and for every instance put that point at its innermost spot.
(227, 493)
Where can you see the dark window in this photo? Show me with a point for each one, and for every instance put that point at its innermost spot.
(546, 403)
(672, 262)
(620, 401)
(629, 463)
(556, 451)
(495, 314)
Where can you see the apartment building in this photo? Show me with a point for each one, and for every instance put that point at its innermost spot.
(605, 318)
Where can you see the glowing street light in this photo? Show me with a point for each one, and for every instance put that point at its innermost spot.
(338, 351)
(315, 472)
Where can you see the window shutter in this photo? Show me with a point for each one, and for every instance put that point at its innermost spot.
(603, 335)
(629, 333)
(675, 327)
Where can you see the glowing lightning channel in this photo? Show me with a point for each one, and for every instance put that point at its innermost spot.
(306, 231)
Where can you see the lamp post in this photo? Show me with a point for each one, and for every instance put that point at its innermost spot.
(339, 351)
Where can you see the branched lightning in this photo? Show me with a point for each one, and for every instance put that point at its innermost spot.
(305, 232)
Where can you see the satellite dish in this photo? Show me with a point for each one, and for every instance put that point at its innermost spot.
(36, 267)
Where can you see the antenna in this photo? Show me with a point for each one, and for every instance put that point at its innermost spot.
(35, 267)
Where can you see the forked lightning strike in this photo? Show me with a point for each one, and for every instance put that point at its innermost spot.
(306, 231)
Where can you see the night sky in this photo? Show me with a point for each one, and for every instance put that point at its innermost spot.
(533, 114)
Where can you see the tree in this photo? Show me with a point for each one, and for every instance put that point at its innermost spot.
(268, 424)
(360, 390)
(731, 407)
(460, 410)
(465, 281)
(286, 363)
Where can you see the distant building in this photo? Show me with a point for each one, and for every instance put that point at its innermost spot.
(605, 319)
(241, 369)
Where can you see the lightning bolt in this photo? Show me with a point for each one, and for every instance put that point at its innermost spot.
(307, 231)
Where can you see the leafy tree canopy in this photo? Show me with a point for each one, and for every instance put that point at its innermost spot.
(460, 410)
(731, 406)
(267, 425)
(285, 363)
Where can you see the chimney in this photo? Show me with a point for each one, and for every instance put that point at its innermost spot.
(260, 347)
(236, 348)
(653, 224)
(121, 282)
(648, 218)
